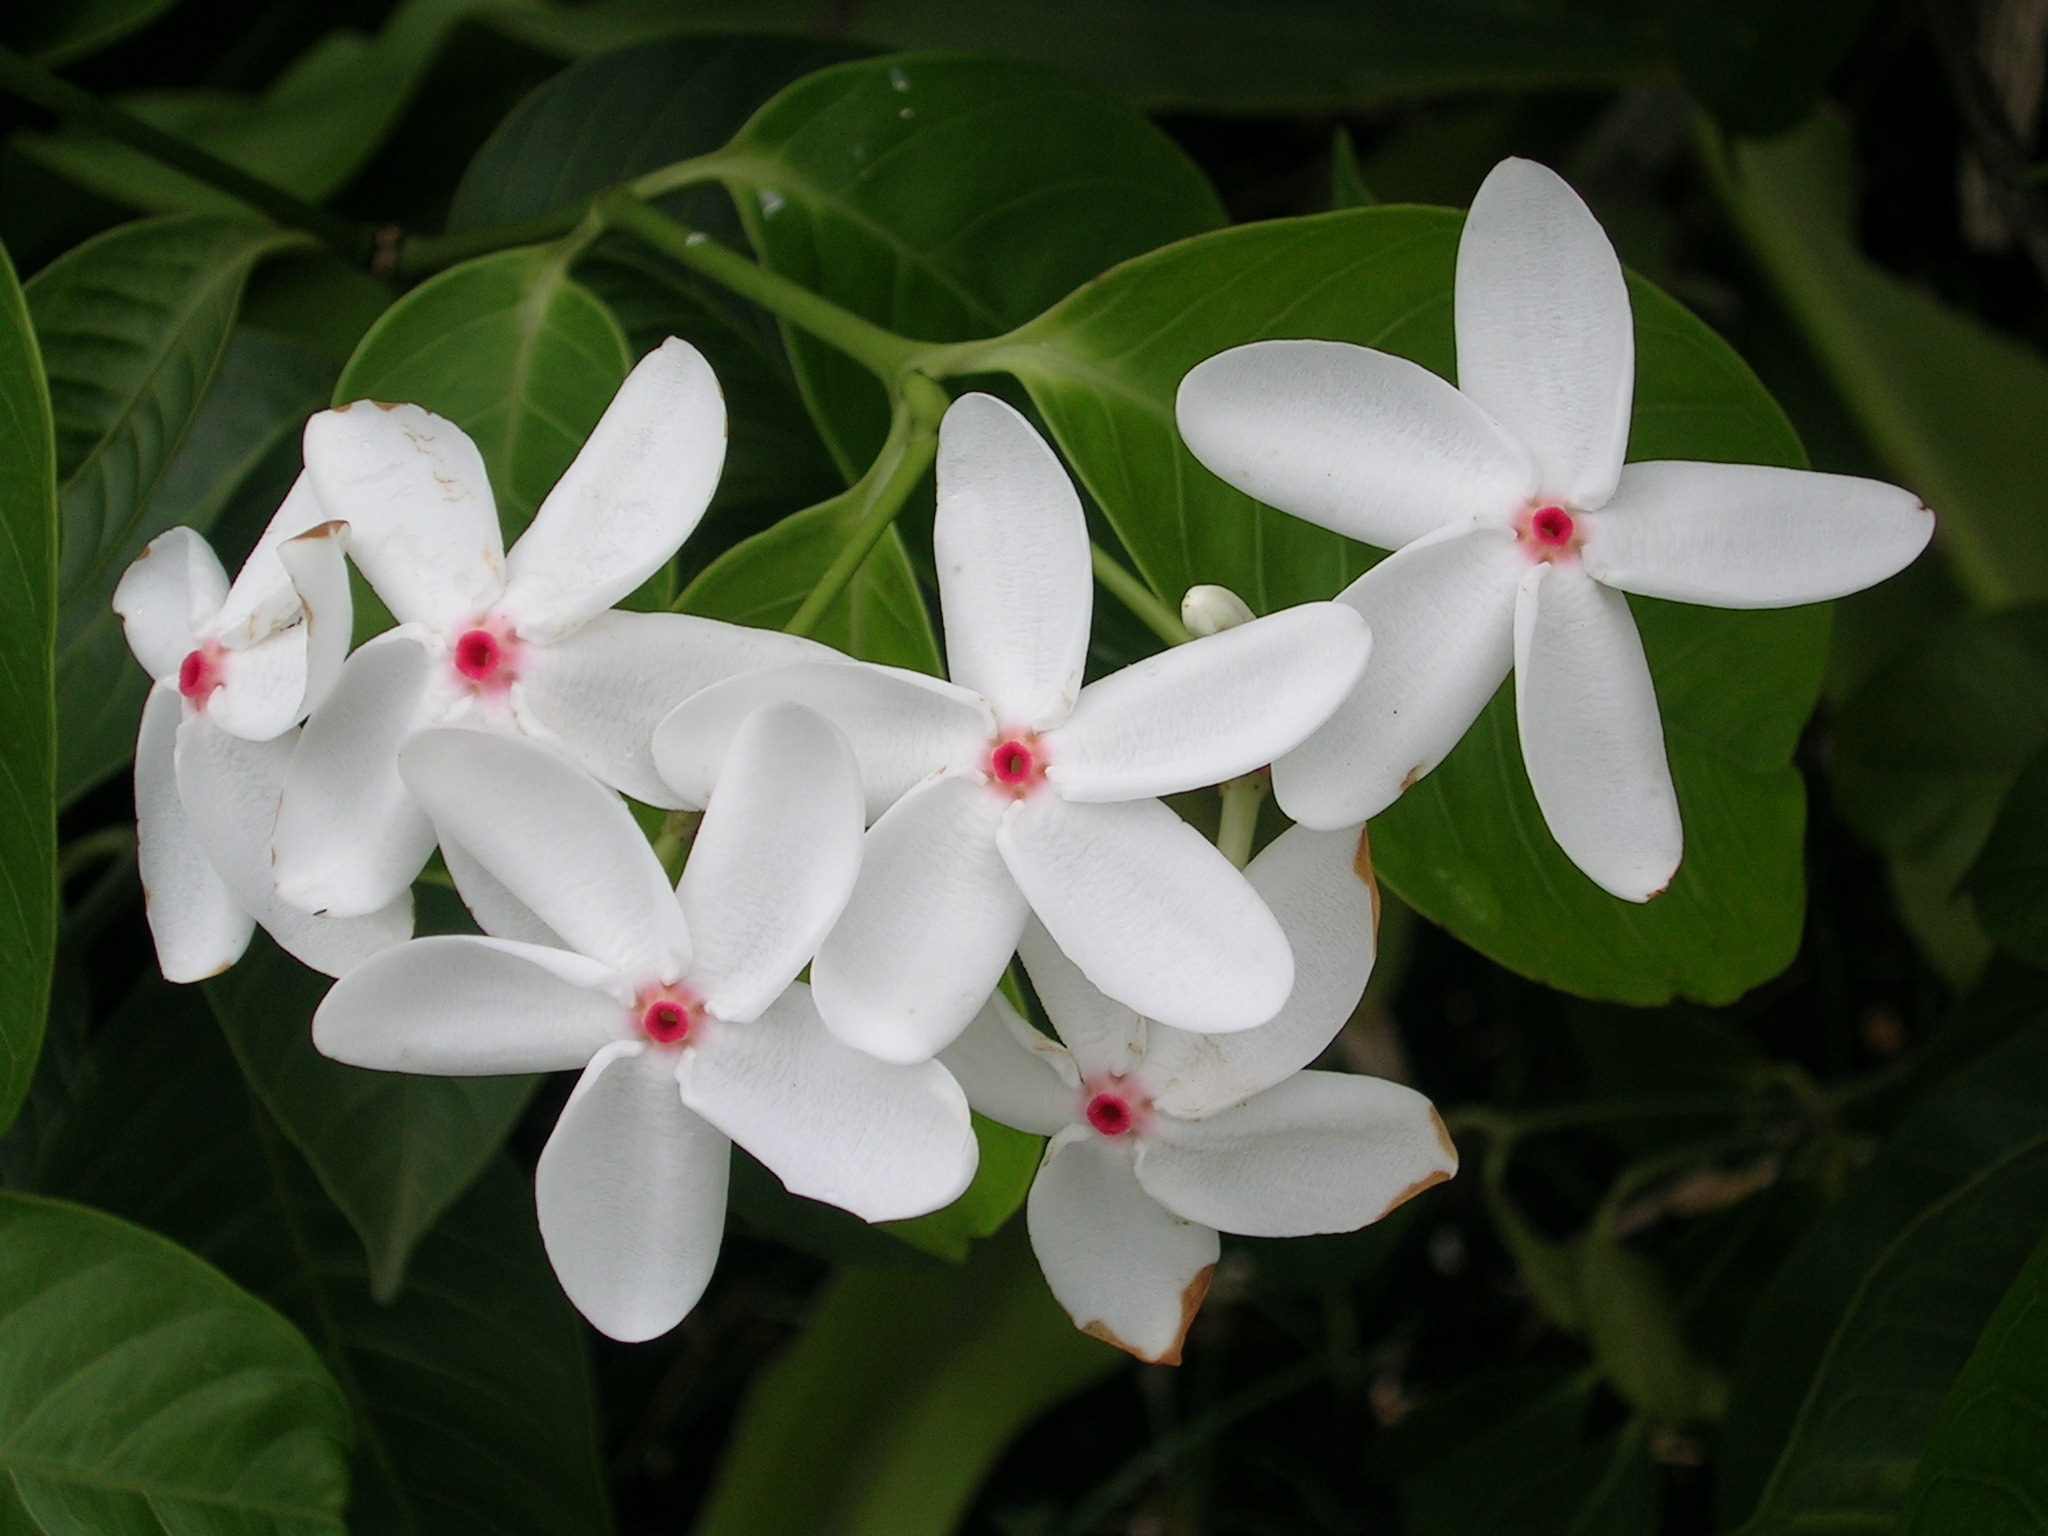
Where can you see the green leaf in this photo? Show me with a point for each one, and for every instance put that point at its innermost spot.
(1985, 1471)
(471, 1394)
(146, 1393)
(947, 199)
(512, 350)
(1466, 847)
(885, 1415)
(28, 718)
(1957, 411)
(880, 617)
(1632, 1326)
(133, 325)
(2009, 881)
(1002, 1178)
(1347, 183)
(57, 31)
(1859, 1339)
(252, 413)
(392, 1150)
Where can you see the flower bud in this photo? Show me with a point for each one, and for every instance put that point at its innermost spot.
(1210, 610)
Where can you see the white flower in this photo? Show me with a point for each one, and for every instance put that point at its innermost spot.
(679, 1006)
(235, 669)
(1161, 1138)
(519, 641)
(1012, 789)
(1519, 528)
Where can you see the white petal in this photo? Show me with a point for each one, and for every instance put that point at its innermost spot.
(319, 576)
(1015, 582)
(631, 1194)
(262, 600)
(774, 859)
(1442, 613)
(1212, 709)
(496, 910)
(904, 726)
(1546, 340)
(1012, 1073)
(198, 926)
(263, 688)
(933, 920)
(1591, 736)
(558, 840)
(1149, 910)
(883, 1141)
(1319, 886)
(1371, 445)
(1105, 1037)
(455, 1006)
(350, 837)
(1126, 1269)
(1750, 536)
(230, 790)
(634, 493)
(1321, 1152)
(168, 598)
(599, 692)
(413, 490)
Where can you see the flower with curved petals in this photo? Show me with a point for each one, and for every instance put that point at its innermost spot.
(680, 1008)
(1518, 528)
(522, 641)
(1013, 789)
(235, 669)
(1160, 1139)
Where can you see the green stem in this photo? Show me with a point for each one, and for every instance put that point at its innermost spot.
(672, 843)
(1139, 598)
(1240, 819)
(422, 255)
(912, 445)
(882, 352)
(1507, 1126)
(106, 843)
(30, 81)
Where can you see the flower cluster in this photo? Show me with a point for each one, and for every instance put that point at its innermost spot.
(903, 836)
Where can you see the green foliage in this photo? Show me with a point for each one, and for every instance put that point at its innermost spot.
(55, 32)
(146, 1393)
(883, 1417)
(393, 1151)
(1983, 1471)
(134, 327)
(513, 351)
(1466, 847)
(1860, 1338)
(28, 720)
(1009, 1162)
(470, 1392)
(2009, 881)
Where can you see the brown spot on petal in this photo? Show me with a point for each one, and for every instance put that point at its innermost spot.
(1659, 891)
(1428, 1181)
(1190, 1303)
(1361, 866)
(1443, 1139)
(1414, 773)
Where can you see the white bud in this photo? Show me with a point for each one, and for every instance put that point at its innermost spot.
(1210, 610)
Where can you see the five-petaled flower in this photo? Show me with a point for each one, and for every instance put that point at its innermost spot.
(520, 641)
(1518, 528)
(1162, 1138)
(235, 669)
(680, 1007)
(1013, 789)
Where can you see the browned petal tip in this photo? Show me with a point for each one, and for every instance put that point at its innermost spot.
(1190, 1303)
(1413, 774)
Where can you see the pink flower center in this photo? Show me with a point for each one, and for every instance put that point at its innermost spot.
(1111, 1114)
(477, 655)
(486, 657)
(1552, 527)
(669, 1015)
(1016, 763)
(200, 672)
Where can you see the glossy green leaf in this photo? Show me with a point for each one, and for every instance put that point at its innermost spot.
(947, 198)
(28, 719)
(134, 326)
(252, 412)
(512, 350)
(145, 1393)
(1861, 1336)
(884, 1416)
(470, 1392)
(1986, 1468)
(1958, 411)
(880, 616)
(1467, 846)
(392, 1150)
(2009, 881)
(58, 31)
